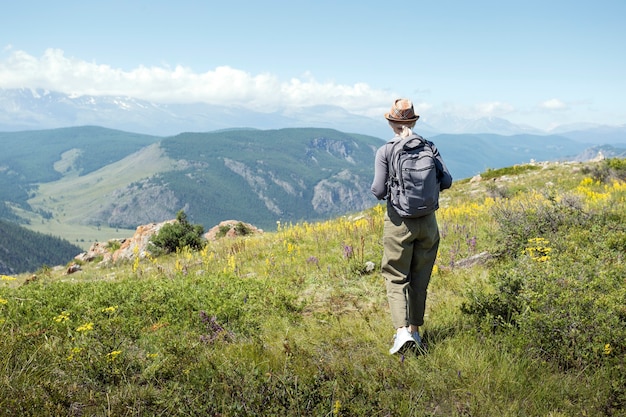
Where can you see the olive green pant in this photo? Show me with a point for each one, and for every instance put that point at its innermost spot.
(410, 248)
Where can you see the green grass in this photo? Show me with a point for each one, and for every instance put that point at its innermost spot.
(514, 170)
(70, 197)
(293, 323)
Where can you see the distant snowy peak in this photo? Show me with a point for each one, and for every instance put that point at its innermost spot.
(26, 109)
(37, 109)
(448, 123)
(571, 127)
(593, 133)
(28, 99)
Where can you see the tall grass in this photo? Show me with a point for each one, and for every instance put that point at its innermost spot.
(295, 322)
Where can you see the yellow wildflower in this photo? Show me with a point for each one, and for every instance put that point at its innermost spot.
(232, 263)
(540, 251)
(608, 349)
(63, 317)
(74, 351)
(336, 408)
(109, 309)
(113, 355)
(85, 327)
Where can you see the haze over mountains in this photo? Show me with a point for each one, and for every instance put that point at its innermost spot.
(28, 109)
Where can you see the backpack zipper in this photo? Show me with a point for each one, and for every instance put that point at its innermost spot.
(401, 170)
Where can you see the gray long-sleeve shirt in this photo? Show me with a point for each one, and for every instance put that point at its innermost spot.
(381, 169)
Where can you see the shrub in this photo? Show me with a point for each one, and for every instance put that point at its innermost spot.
(240, 229)
(113, 245)
(500, 308)
(495, 191)
(617, 167)
(534, 216)
(607, 170)
(563, 293)
(575, 318)
(178, 235)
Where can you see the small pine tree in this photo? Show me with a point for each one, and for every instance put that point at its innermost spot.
(178, 235)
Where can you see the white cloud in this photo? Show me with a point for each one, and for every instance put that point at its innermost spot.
(494, 109)
(553, 104)
(223, 85)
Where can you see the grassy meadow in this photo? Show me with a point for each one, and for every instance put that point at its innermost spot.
(526, 316)
(69, 198)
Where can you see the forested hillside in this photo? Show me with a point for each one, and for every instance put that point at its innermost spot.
(32, 157)
(266, 176)
(89, 183)
(22, 250)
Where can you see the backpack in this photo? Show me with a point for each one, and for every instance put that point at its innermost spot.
(413, 184)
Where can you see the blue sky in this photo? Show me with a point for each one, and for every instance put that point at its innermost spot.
(541, 63)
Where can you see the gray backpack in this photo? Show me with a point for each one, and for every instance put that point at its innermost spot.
(413, 184)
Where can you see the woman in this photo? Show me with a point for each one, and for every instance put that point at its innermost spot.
(410, 243)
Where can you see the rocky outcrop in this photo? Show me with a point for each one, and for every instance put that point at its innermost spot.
(342, 192)
(478, 259)
(98, 249)
(138, 244)
(116, 250)
(127, 249)
(257, 183)
(339, 148)
(138, 203)
(231, 228)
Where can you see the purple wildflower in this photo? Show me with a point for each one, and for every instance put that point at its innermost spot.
(347, 251)
(214, 329)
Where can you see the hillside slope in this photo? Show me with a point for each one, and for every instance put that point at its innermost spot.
(525, 316)
(37, 157)
(22, 250)
(90, 183)
(256, 176)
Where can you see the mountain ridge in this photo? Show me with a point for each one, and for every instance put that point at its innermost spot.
(257, 176)
(34, 109)
(94, 183)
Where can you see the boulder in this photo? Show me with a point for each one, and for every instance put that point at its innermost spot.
(72, 268)
(98, 249)
(478, 259)
(138, 244)
(231, 228)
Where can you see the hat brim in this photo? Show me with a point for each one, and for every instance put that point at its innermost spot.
(392, 119)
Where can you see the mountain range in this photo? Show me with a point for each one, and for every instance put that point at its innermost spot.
(92, 168)
(37, 109)
(75, 182)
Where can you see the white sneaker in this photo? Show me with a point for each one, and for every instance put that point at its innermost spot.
(402, 339)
